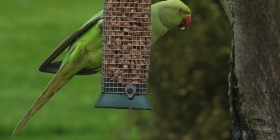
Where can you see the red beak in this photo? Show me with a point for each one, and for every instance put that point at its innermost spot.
(188, 20)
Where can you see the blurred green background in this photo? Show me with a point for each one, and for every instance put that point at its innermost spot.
(188, 78)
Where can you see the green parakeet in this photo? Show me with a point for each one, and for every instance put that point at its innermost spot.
(84, 55)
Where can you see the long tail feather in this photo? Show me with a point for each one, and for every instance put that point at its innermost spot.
(57, 82)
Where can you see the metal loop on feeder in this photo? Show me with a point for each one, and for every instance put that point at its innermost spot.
(126, 45)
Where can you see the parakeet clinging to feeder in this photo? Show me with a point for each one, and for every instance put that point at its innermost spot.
(84, 54)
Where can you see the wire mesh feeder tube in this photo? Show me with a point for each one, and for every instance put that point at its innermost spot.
(126, 54)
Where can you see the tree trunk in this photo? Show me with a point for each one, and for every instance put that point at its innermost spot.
(255, 70)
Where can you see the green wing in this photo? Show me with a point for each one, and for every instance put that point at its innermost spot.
(49, 66)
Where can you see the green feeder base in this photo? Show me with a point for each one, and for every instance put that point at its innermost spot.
(121, 101)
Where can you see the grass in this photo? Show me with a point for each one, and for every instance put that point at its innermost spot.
(29, 31)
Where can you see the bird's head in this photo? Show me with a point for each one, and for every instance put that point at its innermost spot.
(174, 13)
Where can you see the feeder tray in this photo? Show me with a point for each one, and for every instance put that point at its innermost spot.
(126, 54)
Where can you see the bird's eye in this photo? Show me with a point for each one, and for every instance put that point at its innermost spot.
(180, 10)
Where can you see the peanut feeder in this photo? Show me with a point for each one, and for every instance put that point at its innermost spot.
(126, 54)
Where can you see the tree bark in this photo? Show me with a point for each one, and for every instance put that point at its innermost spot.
(227, 5)
(254, 79)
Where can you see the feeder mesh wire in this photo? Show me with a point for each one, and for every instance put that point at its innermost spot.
(126, 45)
